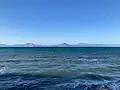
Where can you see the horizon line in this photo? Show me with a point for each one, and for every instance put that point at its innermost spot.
(61, 43)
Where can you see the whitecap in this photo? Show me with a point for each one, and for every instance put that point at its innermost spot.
(2, 70)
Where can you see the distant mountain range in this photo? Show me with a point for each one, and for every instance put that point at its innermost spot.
(61, 45)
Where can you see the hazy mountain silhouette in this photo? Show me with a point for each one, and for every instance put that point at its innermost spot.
(61, 45)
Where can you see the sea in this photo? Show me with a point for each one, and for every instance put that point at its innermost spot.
(59, 68)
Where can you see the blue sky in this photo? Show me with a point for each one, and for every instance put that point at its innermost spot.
(57, 21)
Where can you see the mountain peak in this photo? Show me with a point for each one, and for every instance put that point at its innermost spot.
(30, 45)
(64, 43)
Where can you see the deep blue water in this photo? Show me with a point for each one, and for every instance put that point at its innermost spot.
(60, 68)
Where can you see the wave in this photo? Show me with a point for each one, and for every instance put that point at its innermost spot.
(39, 82)
(62, 75)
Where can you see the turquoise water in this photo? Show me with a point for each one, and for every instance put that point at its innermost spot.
(60, 68)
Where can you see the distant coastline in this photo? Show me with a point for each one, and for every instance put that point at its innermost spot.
(61, 45)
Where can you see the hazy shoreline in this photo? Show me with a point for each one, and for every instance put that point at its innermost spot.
(61, 45)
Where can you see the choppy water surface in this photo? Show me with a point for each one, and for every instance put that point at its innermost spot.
(59, 68)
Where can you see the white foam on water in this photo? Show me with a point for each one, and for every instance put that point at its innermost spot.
(3, 70)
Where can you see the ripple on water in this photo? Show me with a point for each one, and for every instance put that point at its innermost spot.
(28, 82)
